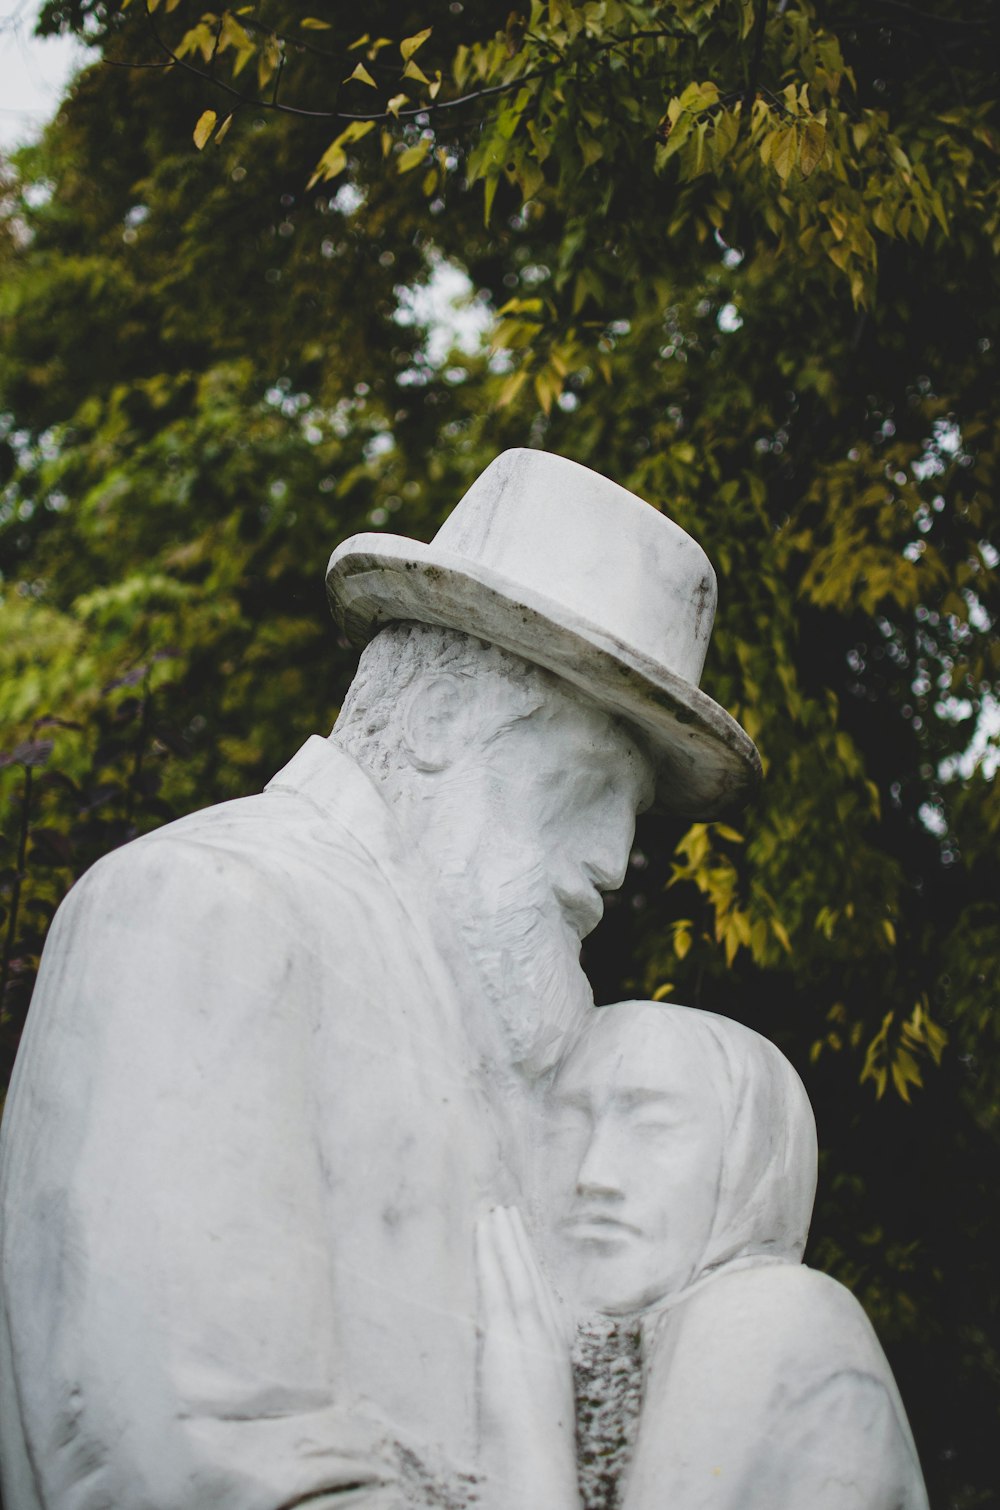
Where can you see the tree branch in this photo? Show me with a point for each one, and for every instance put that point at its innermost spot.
(334, 115)
(429, 108)
(759, 28)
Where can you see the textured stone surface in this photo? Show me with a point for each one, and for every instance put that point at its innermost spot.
(607, 1378)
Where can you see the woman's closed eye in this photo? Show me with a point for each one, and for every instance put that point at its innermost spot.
(653, 1125)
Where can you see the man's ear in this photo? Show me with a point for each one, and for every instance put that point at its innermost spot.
(437, 719)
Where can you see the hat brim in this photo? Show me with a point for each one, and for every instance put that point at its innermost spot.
(707, 764)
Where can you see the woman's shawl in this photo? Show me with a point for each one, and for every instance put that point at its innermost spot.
(768, 1179)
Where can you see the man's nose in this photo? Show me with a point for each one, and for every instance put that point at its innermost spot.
(607, 871)
(612, 847)
(599, 1172)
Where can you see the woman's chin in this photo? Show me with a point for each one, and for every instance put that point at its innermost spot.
(595, 1290)
(593, 1295)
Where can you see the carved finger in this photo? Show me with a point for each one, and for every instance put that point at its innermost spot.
(543, 1296)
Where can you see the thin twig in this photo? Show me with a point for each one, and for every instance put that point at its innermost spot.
(120, 63)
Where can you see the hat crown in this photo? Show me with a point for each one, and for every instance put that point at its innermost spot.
(562, 531)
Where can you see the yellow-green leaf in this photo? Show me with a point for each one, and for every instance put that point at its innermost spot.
(722, 829)
(410, 45)
(591, 150)
(267, 61)
(204, 128)
(413, 157)
(784, 152)
(547, 388)
(813, 146)
(362, 75)
(905, 1072)
(512, 387)
(233, 35)
(223, 129)
(490, 190)
(200, 38)
(355, 131)
(539, 141)
(313, 23)
(333, 161)
(727, 129)
(395, 105)
(781, 934)
(529, 176)
(414, 71)
(937, 206)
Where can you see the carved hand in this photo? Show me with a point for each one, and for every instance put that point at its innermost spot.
(527, 1411)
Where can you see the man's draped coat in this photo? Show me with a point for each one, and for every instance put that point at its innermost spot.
(245, 1148)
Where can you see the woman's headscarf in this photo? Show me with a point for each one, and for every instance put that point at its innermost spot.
(767, 1182)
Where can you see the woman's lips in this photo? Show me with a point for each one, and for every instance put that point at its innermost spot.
(598, 1226)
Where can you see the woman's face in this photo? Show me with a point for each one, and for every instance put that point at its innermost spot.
(633, 1155)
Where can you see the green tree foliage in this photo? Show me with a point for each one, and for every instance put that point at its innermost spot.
(740, 257)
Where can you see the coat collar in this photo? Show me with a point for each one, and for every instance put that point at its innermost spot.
(335, 784)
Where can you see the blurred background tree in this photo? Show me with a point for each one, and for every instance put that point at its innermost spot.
(740, 257)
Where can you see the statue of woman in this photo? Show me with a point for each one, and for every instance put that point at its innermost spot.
(677, 1171)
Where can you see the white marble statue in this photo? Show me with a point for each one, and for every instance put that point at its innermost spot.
(280, 1052)
(674, 1186)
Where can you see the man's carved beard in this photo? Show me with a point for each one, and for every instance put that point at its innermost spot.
(528, 960)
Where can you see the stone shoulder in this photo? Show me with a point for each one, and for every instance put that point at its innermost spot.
(784, 1312)
(784, 1288)
(256, 844)
(242, 887)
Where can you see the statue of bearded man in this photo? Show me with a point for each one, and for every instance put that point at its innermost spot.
(275, 1066)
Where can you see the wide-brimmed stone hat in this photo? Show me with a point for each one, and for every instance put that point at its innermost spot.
(553, 562)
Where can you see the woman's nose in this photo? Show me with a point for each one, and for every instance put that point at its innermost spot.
(599, 1174)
